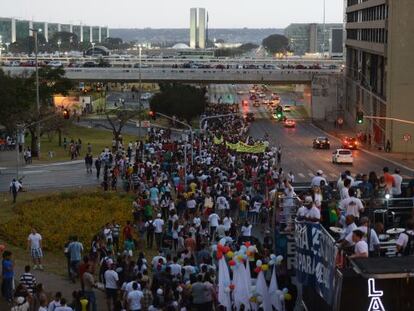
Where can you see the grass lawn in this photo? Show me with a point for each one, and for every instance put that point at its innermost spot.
(99, 139)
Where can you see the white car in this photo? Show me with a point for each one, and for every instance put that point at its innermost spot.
(55, 63)
(342, 156)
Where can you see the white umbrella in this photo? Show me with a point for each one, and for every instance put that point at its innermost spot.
(261, 288)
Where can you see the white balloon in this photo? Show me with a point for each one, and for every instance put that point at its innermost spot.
(259, 263)
(285, 290)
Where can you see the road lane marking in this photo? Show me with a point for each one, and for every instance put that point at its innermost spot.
(311, 175)
(301, 175)
(333, 175)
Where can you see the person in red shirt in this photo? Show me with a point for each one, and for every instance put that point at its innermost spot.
(389, 179)
(127, 231)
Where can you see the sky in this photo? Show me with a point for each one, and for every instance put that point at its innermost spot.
(174, 13)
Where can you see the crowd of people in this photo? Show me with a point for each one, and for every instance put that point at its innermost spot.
(191, 196)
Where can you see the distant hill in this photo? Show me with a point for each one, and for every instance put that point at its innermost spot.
(173, 35)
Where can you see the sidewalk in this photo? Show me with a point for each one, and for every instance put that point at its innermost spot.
(402, 159)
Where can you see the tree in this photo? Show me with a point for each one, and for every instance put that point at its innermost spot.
(233, 52)
(180, 100)
(276, 43)
(68, 41)
(18, 100)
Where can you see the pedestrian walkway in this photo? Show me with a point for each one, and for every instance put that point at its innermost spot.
(399, 158)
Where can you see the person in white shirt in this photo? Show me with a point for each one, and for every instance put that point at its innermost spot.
(158, 225)
(361, 247)
(344, 193)
(213, 220)
(246, 229)
(34, 244)
(313, 214)
(303, 210)
(316, 180)
(63, 306)
(352, 205)
(134, 298)
(405, 242)
(175, 267)
(227, 221)
(374, 242)
(111, 286)
(349, 227)
(396, 189)
(222, 205)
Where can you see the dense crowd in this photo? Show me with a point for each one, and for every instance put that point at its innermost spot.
(183, 212)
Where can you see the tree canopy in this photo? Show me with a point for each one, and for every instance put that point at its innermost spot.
(232, 52)
(276, 43)
(180, 100)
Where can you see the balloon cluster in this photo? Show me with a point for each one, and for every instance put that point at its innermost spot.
(284, 294)
(275, 260)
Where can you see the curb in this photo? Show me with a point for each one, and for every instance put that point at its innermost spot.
(367, 151)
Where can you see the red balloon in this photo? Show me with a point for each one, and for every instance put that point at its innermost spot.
(226, 249)
(247, 244)
(232, 286)
(219, 255)
(257, 270)
(232, 263)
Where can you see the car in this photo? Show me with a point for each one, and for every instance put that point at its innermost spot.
(256, 103)
(249, 117)
(262, 95)
(321, 143)
(287, 108)
(266, 102)
(89, 64)
(350, 143)
(240, 92)
(342, 156)
(55, 64)
(289, 123)
(253, 97)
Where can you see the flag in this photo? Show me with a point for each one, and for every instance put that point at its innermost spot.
(261, 288)
(241, 293)
(218, 141)
(223, 283)
(273, 287)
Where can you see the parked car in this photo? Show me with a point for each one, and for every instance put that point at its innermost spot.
(55, 64)
(89, 64)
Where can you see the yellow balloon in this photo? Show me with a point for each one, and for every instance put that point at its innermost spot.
(230, 254)
(265, 267)
(288, 297)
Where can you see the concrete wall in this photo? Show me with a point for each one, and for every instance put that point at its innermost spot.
(325, 96)
(400, 73)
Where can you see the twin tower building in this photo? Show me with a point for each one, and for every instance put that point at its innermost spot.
(198, 28)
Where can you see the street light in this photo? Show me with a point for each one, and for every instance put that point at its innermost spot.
(59, 43)
(1, 46)
(140, 92)
(35, 34)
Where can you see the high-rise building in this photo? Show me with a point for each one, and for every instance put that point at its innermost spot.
(309, 38)
(202, 22)
(193, 28)
(379, 69)
(12, 30)
(336, 42)
(198, 28)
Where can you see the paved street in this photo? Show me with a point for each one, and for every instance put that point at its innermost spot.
(298, 155)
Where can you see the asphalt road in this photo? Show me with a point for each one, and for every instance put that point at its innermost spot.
(298, 155)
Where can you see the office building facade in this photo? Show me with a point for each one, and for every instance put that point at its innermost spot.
(198, 28)
(193, 28)
(12, 30)
(309, 38)
(379, 70)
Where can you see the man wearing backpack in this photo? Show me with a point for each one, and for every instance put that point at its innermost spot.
(405, 242)
(149, 226)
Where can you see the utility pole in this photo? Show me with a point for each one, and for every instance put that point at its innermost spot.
(35, 34)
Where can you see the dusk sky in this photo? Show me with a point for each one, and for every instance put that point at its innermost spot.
(175, 13)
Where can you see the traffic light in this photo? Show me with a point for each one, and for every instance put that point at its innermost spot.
(152, 114)
(66, 114)
(360, 117)
(279, 112)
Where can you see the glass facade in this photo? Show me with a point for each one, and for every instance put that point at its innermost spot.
(22, 30)
(95, 34)
(86, 33)
(52, 29)
(77, 31)
(6, 29)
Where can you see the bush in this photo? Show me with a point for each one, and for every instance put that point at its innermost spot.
(59, 216)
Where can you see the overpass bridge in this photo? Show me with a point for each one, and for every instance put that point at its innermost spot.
(205, 76)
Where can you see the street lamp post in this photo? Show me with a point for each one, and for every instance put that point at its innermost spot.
(35, 34)
(59, 43)
(140, 92)
(1, 47)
